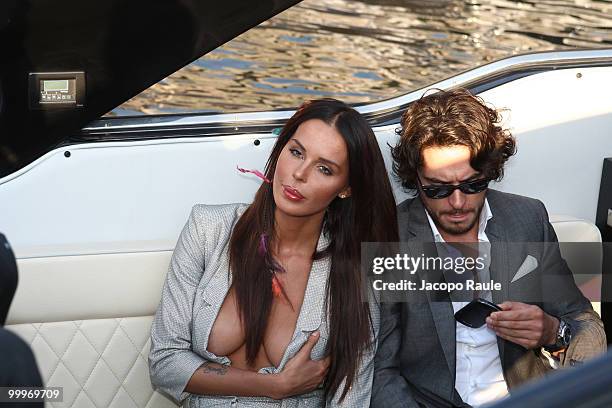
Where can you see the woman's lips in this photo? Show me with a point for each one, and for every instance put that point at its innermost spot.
(292, 194)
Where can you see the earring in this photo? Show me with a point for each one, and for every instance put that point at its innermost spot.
(342, 195)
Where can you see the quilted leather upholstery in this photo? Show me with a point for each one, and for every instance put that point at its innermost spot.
(103, 362)
(100, 363)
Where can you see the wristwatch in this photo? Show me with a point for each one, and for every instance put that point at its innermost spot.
(564, 336)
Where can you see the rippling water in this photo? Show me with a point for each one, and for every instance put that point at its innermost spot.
(363, 51)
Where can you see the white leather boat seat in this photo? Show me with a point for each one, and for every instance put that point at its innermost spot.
(580, 244)
(88, 317)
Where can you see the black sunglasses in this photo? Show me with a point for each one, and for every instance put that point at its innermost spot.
(437, 191)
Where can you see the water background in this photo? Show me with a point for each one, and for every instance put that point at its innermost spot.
(369, 50)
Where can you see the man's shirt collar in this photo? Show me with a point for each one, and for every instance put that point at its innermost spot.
(485, 216)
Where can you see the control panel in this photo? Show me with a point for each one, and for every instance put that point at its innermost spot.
(53, 90)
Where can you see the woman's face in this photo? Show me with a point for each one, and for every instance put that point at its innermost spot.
(312, 170)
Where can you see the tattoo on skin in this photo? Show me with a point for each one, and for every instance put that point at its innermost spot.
(213, 368)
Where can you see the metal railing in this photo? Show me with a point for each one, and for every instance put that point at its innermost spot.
(378, 113)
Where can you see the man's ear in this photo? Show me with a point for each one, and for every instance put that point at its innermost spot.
(345, 193)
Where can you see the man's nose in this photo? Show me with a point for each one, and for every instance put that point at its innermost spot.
(457, 199)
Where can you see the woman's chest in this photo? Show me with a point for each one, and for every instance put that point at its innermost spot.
(217, 330)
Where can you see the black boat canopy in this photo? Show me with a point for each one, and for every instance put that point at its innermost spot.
(64, 63)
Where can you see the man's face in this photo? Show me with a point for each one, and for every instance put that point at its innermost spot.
(456, 216)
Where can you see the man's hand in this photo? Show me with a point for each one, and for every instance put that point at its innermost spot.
(301, 374)
(523, 324)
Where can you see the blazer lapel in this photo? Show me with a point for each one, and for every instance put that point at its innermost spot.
(312, 312)
(499, 258)
(499, 267)
(415, 229)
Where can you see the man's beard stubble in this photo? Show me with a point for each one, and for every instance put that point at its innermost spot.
(452, 228)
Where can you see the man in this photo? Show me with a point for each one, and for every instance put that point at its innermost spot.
(450, 147)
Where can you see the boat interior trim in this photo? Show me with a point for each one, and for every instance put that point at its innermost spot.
(380, 113)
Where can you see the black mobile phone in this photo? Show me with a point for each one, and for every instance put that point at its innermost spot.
(475, 313)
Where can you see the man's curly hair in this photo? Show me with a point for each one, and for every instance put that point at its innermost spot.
(448, 118)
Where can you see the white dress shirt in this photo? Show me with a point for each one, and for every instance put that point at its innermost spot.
(479, 377)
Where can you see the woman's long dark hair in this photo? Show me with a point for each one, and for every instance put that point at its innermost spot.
(368, 215)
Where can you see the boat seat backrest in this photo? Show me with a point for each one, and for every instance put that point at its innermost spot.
(87, 319)
(579, 238)
(581, 247)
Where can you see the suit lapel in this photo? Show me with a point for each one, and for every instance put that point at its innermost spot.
(499, 259)
(415, 229)
(499, 267)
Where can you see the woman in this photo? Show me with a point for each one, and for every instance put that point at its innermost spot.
(265, 302)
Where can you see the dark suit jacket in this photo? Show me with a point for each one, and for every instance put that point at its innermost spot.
(415, 361)
(8, 278)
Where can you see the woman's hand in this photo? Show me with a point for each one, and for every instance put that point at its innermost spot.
(301, 374)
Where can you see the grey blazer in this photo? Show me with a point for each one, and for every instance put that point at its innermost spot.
(197, 282)
(415, 362)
